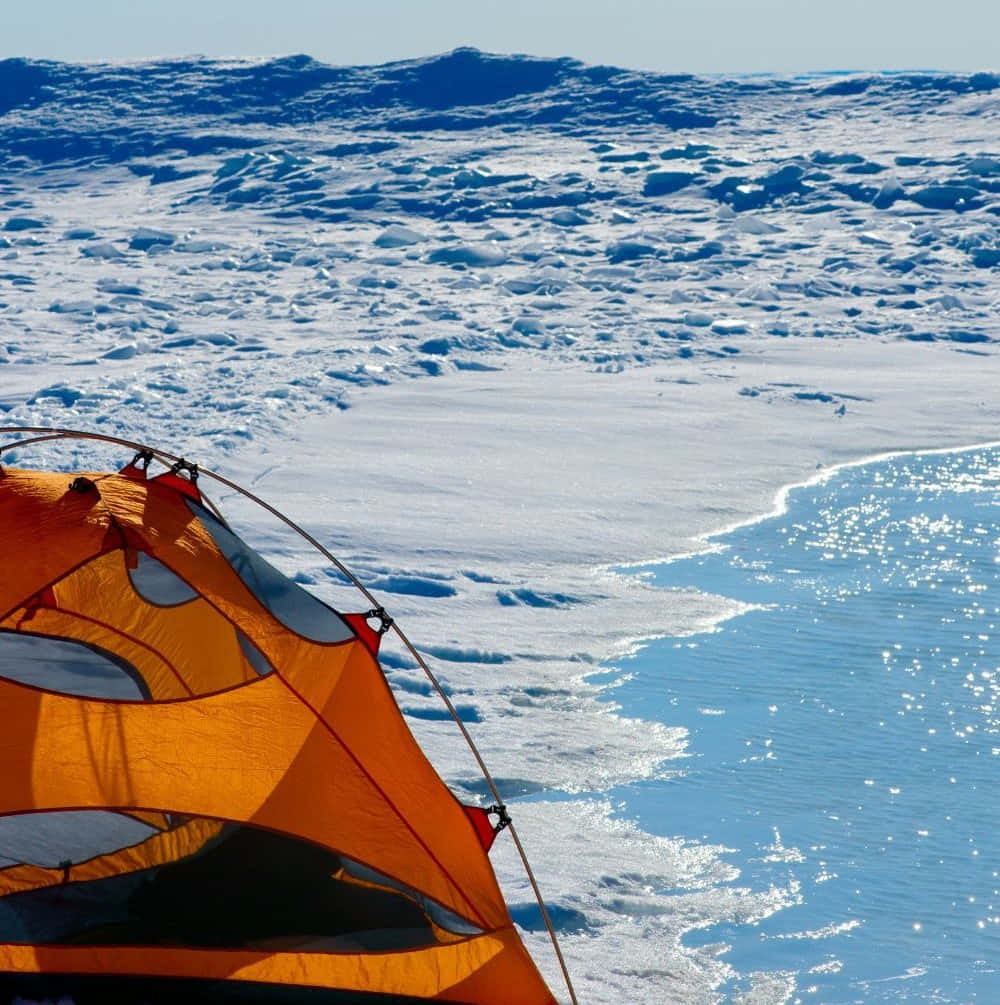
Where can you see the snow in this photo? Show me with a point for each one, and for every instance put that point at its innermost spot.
(494, 329)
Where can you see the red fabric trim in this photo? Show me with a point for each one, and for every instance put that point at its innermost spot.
(367, 635)
(44, 598)
(182, 485)
(130, 470)
(482, 825)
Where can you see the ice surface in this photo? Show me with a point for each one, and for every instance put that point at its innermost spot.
(493, 328)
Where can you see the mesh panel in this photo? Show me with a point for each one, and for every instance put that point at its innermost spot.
(68, 666)
(51, 839)
(156, 584)
(441, 916)
(297, 609)
(254, 656)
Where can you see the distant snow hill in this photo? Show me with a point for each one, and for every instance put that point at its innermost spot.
(78, 110)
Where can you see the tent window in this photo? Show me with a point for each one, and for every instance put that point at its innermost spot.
(441, 916)
(254, 656)
(295, 608)
(50, 839)
(69, 667)
(156, 584)
(243, 888)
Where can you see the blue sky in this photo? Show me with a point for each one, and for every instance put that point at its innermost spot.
(673, 35)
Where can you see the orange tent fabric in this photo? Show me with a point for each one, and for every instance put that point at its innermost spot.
(165, 690)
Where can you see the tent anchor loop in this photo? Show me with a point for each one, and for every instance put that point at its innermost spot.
(385, 622)
(182, 465)
(499, 810)
(66, 864)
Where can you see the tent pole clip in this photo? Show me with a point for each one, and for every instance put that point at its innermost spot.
(66, 864)
(183, 465)
(142, 460)
(500, 811)
(385, 622)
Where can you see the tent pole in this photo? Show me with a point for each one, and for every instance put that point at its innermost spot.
(45, 434)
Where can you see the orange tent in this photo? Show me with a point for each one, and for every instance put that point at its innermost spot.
(207, 786)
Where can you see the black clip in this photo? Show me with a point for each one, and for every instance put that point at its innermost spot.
(385, 622)
(191, 469)
(66, 864)
(503, 817)
(142, 460)
(82, 485)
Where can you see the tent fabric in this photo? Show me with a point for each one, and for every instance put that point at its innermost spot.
(488, 969)
(152, 664)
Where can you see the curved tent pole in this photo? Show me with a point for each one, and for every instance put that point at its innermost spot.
(46, 434)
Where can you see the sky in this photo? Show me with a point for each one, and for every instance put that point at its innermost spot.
(700, 36)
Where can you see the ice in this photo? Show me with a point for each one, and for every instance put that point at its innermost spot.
(119, 287)
(412, 586)
(200, 246)
(469, 254)
(730, 326)
(748, 224)
(985, 258)
(628, 250)
(397, 236)
(146, 237)
(20, 223)
(956, 197)
(57, 394)
(73, 307)
(535, 599)
(698, 319)
(666, 182)
(103, 249)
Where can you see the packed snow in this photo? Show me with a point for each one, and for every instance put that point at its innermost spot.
(495, 329)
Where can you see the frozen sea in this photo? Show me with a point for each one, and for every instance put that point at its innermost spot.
(844, 731)
(507, 334)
